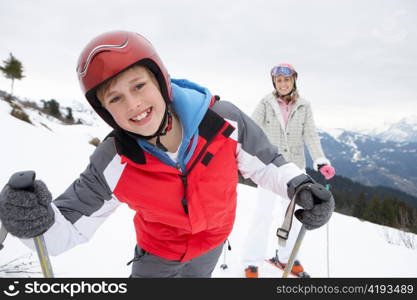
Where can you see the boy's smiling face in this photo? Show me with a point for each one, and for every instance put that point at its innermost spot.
(134, 100)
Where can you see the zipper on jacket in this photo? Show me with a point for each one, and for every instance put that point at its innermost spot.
(183, 177)
(184, 201)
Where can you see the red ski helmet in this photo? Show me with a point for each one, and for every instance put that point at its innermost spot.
(111, 53)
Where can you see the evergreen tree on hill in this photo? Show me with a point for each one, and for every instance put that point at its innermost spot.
(12, 69)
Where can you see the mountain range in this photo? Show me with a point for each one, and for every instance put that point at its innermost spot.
(371, 160)
(404, 130)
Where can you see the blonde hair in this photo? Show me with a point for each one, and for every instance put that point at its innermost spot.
(293, 96)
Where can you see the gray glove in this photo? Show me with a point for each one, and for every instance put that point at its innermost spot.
(26, 212)
(318, 203)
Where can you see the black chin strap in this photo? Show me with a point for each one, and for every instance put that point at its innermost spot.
(164, 129)
(160, 145)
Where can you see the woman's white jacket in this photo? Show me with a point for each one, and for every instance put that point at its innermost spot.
(290, 139)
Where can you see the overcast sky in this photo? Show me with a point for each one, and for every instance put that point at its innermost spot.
(357, 60)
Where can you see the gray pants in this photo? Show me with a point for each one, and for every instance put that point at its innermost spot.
(147, 265)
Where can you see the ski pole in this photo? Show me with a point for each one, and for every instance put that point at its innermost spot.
(294, 252)
(284, 231)
(3, 235)
(327, 240)
(25, 181)
(43, 256)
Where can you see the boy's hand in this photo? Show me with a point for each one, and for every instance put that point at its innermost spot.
(318, 203)
(25, 211)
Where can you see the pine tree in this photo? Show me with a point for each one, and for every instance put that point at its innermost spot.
(12, 69)
(388, 211)
(372, 212)
(403, 217)
(69, 118)
(51, 107)
(360, 206)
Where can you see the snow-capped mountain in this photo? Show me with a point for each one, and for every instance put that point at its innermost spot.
(372, 161)
(404, 130)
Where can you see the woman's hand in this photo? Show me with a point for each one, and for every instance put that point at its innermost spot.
(327, 171)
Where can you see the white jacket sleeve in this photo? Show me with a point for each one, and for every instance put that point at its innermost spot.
(312, 140)
(86, 204)
(257, 158)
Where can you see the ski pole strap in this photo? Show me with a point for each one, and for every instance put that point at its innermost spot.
(284, 231)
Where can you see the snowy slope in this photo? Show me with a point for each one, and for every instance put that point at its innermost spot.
(59, 155)
(356, 248)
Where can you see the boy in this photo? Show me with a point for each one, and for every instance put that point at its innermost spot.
(173, 157)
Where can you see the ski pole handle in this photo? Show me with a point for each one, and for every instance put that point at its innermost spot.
(22, 180)
(25, 180)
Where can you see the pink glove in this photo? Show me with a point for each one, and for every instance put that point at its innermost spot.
(327, 171)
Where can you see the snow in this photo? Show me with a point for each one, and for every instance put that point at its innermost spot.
(411, 120)
(356, 156)
(374, 130)
(386, 150)
(333, 132)
(356, 248)
(401, 131)
(59, 155)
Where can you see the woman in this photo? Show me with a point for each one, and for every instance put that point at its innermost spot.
(287, 120)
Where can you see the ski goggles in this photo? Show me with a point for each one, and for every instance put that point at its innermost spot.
(282, 70)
